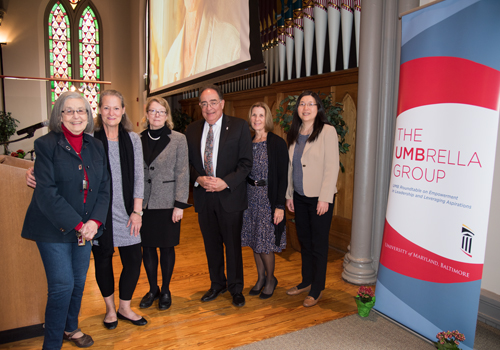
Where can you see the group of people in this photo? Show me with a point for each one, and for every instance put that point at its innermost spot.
(120, 189)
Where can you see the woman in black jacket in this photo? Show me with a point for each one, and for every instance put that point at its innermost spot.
(264, 220)
(68, 207)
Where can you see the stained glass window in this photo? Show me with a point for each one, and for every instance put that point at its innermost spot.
(89, 56)
(74, 3)
(74, 32)
(60, 50)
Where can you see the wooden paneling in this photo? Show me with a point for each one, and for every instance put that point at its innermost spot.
(343, 85)
(23, 287)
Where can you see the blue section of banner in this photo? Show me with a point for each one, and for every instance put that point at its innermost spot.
(439, 306)
(466, 34)
(416, 22)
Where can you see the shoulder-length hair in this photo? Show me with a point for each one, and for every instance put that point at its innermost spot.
(319, 121)
(163, 103)
(125, 122)
(55, 120)
(269, 124)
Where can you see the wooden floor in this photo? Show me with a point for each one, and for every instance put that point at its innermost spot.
(217, 324)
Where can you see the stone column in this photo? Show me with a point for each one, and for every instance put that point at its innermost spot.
(377, 100)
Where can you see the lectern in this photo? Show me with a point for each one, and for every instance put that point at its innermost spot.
(23, 286)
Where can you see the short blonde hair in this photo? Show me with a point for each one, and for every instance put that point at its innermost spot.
(164, 103)
(269, 125)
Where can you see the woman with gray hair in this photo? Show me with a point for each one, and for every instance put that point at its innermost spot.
(166, 193)
(68, 207)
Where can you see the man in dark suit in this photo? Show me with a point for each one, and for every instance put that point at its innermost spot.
(219, 169)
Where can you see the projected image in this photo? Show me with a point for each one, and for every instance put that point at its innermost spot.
(191, 38)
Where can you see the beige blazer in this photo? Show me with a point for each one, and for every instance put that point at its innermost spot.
(320, 166)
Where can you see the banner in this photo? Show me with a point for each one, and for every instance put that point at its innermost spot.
(434, 242)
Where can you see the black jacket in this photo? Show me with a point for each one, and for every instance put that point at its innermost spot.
(57, 206)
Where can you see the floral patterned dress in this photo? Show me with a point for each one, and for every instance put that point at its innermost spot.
(258, 227)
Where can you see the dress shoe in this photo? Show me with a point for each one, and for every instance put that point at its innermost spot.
(110, 325)
(165, 301)
(140, 322)
(83, 342)
(213, 293)
(256, 291)
(297, 291)
(238, 299)
(149, 298)
(310, 301)
(267, 296)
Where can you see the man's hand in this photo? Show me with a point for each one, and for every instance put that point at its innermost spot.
(212, 184)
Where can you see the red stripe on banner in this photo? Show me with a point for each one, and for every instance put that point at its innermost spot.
(406, 258)
(433, 80)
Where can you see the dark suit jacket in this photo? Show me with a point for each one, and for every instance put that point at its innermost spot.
(57, 206)
(234, 162)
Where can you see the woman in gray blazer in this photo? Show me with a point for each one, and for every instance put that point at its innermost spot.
(166, 191)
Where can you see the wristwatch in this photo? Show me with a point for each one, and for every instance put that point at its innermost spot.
(138, 212)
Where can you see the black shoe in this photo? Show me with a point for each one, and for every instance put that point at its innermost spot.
(213, 293)
(165, 301)
(238, 299)
(149, 298)
(256, 291)
(267, 296)
(110, 325)
(140, 322)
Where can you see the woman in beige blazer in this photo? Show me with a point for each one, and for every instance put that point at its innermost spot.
(312, 183)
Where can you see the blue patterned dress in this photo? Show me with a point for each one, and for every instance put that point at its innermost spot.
(258, 227)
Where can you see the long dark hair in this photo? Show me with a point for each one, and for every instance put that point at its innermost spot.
(319, 121)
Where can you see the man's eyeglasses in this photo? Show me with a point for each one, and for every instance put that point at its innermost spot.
(212, 104)
(154, 111)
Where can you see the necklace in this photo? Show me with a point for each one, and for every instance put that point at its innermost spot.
(153, 138)
(113, 139)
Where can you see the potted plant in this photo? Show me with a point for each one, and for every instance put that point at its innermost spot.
(449, 340)
(365, 299)
(181, 120)
(8, 126)
(333, 114)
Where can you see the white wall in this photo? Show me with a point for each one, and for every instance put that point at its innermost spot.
(23, 29)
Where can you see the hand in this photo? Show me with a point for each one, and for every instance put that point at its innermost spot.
(218, 184)
(289, 205)
(135, 223)
(30, 177)
(204, 181)
(278, 215)
(177, 215)
(89, 230)
(321, 208)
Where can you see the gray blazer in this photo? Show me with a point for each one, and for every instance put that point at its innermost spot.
(166, 179)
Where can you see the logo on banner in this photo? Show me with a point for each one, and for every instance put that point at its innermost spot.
(467, 236)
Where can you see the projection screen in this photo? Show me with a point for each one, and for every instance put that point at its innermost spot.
(192, 42)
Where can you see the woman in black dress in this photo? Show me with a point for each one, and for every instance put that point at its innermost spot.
(166, 190)
(264, 220)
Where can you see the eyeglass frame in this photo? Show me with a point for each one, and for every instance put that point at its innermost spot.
(154, 112)
(78, 111)
(212, 104)
(310, 104)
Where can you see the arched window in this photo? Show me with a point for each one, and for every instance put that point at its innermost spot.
(73, 48)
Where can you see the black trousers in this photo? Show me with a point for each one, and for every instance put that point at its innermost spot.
(131, 257)
(313, 233)
(222, 229)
